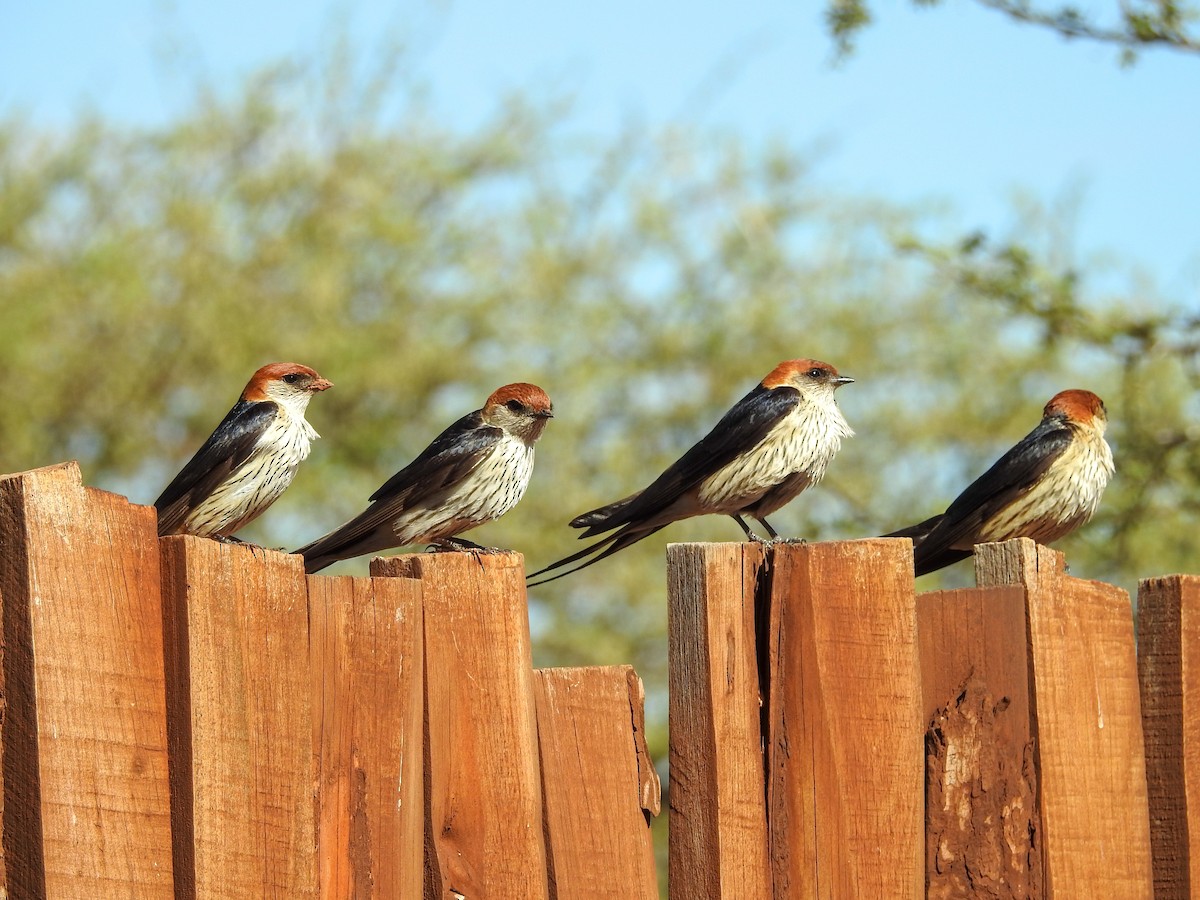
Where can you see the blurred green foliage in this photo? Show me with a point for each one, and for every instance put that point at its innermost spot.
(1131, 25)
(647, 281)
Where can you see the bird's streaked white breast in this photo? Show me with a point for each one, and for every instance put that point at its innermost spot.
(254, 486)
(493, 488)
(1063, 499)
(803, 441)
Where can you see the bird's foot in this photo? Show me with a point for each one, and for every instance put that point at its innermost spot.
(799, 542)
(249, 545)
(452, 545)
(758, 539)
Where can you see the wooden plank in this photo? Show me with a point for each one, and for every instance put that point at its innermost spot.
(483, 787)
(1169, 675)
(846, 763)
(367, 672)
(718, 820)
(1090, 752)
(239, 697)
(86, 794)
(597, 834)
(982, 827)
(649, 786)
(21, 871)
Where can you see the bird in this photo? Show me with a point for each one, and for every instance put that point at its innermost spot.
(771, 445)
(1049, 484)
(249, 460)
(473, 472)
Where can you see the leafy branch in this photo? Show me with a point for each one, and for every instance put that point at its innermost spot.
(1138, 24)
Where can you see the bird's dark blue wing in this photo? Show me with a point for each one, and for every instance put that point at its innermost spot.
(227, 448)
(451, 457)
(1010, 476)
(746, 424)
(447, 461)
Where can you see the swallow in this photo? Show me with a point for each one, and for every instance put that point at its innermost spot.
(1049, 484)
(770, 446)
(474, 472)
(249, 460)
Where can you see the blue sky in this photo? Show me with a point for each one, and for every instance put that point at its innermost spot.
(953, 104)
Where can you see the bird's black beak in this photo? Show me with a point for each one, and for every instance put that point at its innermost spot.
(842, 379)
(544, 414)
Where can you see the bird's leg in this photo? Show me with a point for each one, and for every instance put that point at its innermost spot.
(767, 525)
(750, 535)
(227, 539)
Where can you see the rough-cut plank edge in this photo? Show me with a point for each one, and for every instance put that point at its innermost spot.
(694, 860)
(22, 873)
(71, 466)
(1162, 673)
(649, 785)
(412, 565)
(22, 852)
(718, 798)
(178, 667)
(1020, 561)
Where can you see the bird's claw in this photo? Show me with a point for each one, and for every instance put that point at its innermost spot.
(459, 545)
(249, 545)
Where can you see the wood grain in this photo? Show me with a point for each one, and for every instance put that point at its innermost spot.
(717, 797)
(86, 807)
(240, 716)
(598, 836)
(983, 827)
(1090, 752)
(483, 788)
(846, 767)
(1169, 675)
(368, 707)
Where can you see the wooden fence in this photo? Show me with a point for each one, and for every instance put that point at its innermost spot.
(184, 718)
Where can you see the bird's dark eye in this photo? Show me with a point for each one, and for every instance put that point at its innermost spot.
(293, 377)
(815, 372)
(515, 405)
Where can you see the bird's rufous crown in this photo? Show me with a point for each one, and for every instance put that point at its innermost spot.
(256, 387)
(1077, 405)
(530, 396)
(785, 373)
